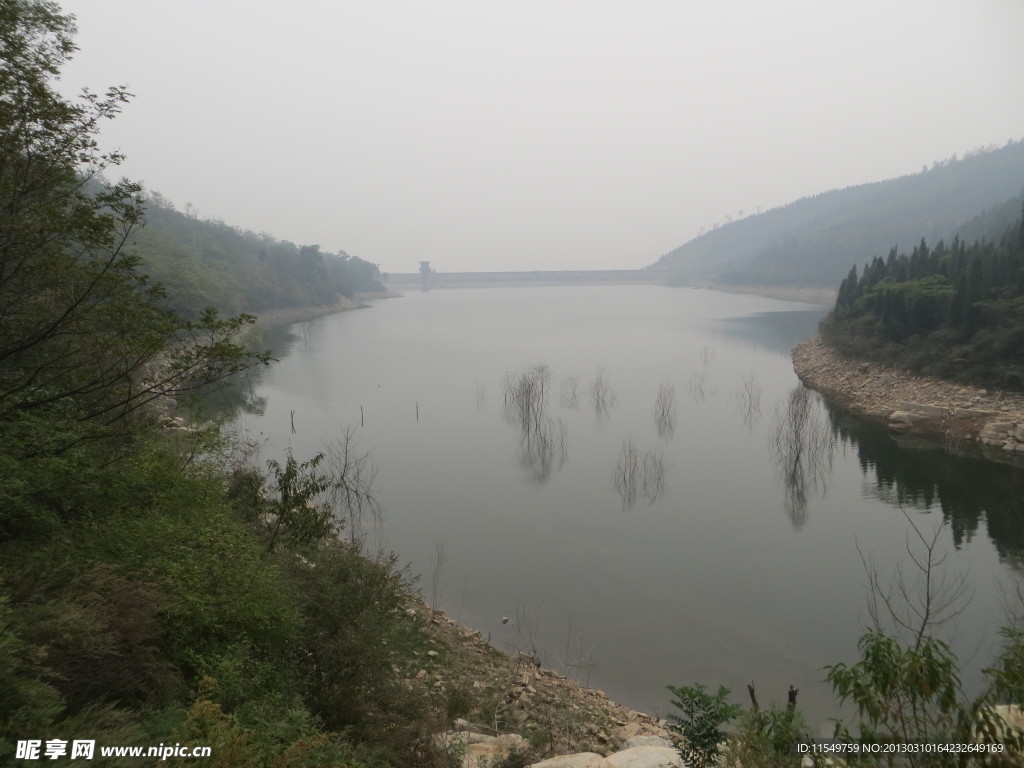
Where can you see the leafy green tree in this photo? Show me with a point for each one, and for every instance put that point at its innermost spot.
(81, 330)
(701, 719)
(906, 685)
(299, 516)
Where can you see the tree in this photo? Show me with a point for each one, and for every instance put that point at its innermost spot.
(701, 719)
(82, 331)
(906, 685)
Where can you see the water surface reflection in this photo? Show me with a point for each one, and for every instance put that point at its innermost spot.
(740, 562)
(974, 495)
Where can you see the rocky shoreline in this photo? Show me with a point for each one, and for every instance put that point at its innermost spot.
(521, 706)
(985, 421)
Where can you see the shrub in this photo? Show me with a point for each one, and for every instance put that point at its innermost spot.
(702, 718)
(767, 739)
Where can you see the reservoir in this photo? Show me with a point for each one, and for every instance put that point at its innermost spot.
(635, 479)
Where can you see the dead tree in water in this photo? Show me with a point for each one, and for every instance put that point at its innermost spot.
(601, 393)
(665, 410)
(638, 475)
(542, 438)
(802, 448)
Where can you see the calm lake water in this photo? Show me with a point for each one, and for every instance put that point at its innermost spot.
(736, 560)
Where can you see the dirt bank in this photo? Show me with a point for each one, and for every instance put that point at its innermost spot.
(555, 712)
(913, 404)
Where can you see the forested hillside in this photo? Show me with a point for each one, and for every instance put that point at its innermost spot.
(813, 241)
(158, 586)
(953, 310)
(204, 263)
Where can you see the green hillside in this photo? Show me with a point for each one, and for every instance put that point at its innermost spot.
(813, 241)
(204, 263)
(159, 585)
(953, 310)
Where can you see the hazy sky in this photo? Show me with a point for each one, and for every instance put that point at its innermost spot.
(538, 135)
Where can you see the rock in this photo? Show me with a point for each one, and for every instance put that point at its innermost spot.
(421, 674)
(646, 757)
(647, 740)
(631, 731)
(579, 760)
(904, 417)
(971, 413)
(432, 653)
(480, 750)
(1019, 433)
(998, 427)
(1012, 715)
(923, 410)
(491, 750)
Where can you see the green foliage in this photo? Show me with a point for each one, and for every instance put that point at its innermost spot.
(205, 263)
(102, 634)
(143, 597)
(296, 514)
(954, 311)
(702, 717)
(352, 636)
(29, 703)
(1008, 674)
(82, 335)
(912, 694)
(767, 739)
(909, 693)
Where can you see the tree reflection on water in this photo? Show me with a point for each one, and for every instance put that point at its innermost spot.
(802, 447)
(963, 486)
(638, 476)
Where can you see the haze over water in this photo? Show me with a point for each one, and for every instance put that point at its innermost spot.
(735, 569)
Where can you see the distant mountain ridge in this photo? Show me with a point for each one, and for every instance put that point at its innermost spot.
(815, 240)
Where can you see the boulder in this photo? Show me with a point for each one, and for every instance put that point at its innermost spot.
(923, 410)
(478, 749)
(994, 428)
(647, 741)
(646, 757)
(971, 413)
(630, 730)
(579, 760)
(904, 417)
(491, 750)
(1012, 715)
